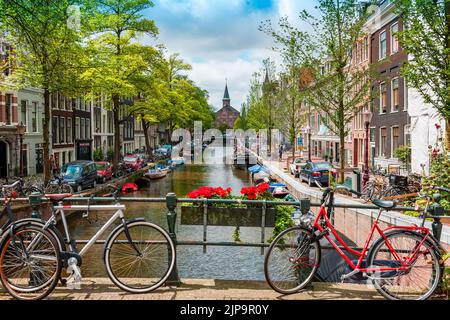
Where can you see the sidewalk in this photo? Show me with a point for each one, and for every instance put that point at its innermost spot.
(103, 289)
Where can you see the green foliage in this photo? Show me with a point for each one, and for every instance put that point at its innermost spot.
(283, 220)
(98, 154)
(445, 286)
(425, 37)
(110, 154)
(403, 154)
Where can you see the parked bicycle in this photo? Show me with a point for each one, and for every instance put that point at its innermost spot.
(403, 263)
(22, 188)
(139, 256)
(57, 186)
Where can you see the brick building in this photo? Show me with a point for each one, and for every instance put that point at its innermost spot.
(228, 115)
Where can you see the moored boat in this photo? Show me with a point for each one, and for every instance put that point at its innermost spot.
(156, 174)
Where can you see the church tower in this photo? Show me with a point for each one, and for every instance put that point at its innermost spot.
(226, 97)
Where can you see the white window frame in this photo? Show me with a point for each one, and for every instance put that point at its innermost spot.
(392, 141)
(382, 154)
(381, 98)
(392, 94)
(77, 128)
(392, 39)
(379, 42)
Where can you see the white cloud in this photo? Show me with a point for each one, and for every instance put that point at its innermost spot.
(221, 40)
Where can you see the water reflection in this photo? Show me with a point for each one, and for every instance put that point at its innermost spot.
(218, 262)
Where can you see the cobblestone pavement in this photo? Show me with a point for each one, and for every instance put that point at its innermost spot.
(103, 289)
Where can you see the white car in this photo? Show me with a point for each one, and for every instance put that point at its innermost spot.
(296, 166)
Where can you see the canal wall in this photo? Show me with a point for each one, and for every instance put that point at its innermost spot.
(354, 223)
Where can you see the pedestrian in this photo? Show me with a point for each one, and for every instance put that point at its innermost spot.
(280, 151)
(54, 165)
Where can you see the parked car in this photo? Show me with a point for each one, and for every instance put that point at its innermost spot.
(296, 166)
(316, 171)
(104, 171)
(80, 175)
(133, 162)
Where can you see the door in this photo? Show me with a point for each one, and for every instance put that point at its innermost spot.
(39, 159)
(3, 159)
(355, 153)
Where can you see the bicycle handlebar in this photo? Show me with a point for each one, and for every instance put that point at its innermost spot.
(443, 189)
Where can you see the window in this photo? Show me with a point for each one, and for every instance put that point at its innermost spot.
(394, 39)
(395, 95)
(383, 45)
(69, 130)
(82, 129)
(62, 130)
(23, 112)
(395, 139)
(88, 129)
(77, 128)
(383, 98)
(8, 107)
(55, 132)
(34, 114)
(383, 141)
(366, 48)
(361, 52)
(408, 135)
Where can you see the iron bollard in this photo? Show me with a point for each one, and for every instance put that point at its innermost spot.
(437, 210)
(35, 200)
(171, 202)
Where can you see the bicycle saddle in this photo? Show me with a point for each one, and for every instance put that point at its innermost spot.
(383, 204)
(57, 197)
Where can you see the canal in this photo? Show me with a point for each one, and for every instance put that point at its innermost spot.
(226, 263)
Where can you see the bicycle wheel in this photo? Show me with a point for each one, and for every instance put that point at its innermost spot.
(143, 272)
(292, 261)
(52, 189)
(423, 275)
(66, 189)
(30, 263)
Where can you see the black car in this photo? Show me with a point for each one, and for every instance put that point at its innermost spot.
(80, 175)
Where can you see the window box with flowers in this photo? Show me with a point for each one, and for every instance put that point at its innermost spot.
(235, 213)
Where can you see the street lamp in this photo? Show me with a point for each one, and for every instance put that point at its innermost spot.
(308, 131)
(21, 128)
(367, 121)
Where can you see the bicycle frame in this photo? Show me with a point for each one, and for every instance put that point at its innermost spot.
(60, 209)
(404, 264)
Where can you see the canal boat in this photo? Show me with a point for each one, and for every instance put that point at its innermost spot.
(130, 187)
(155, 174)
(177, 162)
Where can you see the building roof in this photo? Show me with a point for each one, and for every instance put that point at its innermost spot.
(226, 95)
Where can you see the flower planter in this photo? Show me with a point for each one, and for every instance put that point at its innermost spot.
(227, 217)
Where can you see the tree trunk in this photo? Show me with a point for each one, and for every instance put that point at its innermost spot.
(117, 142)
(46, 134)
(145, 127)
(342, 157)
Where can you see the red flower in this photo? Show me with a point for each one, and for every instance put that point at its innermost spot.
(438, 126)
(263, 187)
(209, 192)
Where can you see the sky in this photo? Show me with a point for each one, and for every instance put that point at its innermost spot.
(221, 40)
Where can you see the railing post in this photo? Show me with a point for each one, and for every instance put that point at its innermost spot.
(171, 202)
(438, 211)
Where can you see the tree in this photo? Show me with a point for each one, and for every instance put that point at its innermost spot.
(297, 54)
(48, 51)
(337, 91)
(426, 37)
(117, 60)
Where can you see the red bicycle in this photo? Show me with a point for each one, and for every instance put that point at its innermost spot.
(403, 263)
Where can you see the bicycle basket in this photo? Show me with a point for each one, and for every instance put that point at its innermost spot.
(398, 181)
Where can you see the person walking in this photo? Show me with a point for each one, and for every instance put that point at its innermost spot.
(280, 151)
(54, 165)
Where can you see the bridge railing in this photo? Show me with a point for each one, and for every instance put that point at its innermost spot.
(172, 203)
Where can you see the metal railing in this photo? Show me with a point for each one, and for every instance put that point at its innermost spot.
(171, 202)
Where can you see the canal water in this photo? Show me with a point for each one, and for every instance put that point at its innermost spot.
(226, 263)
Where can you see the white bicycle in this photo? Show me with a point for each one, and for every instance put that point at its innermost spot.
(139, 256)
